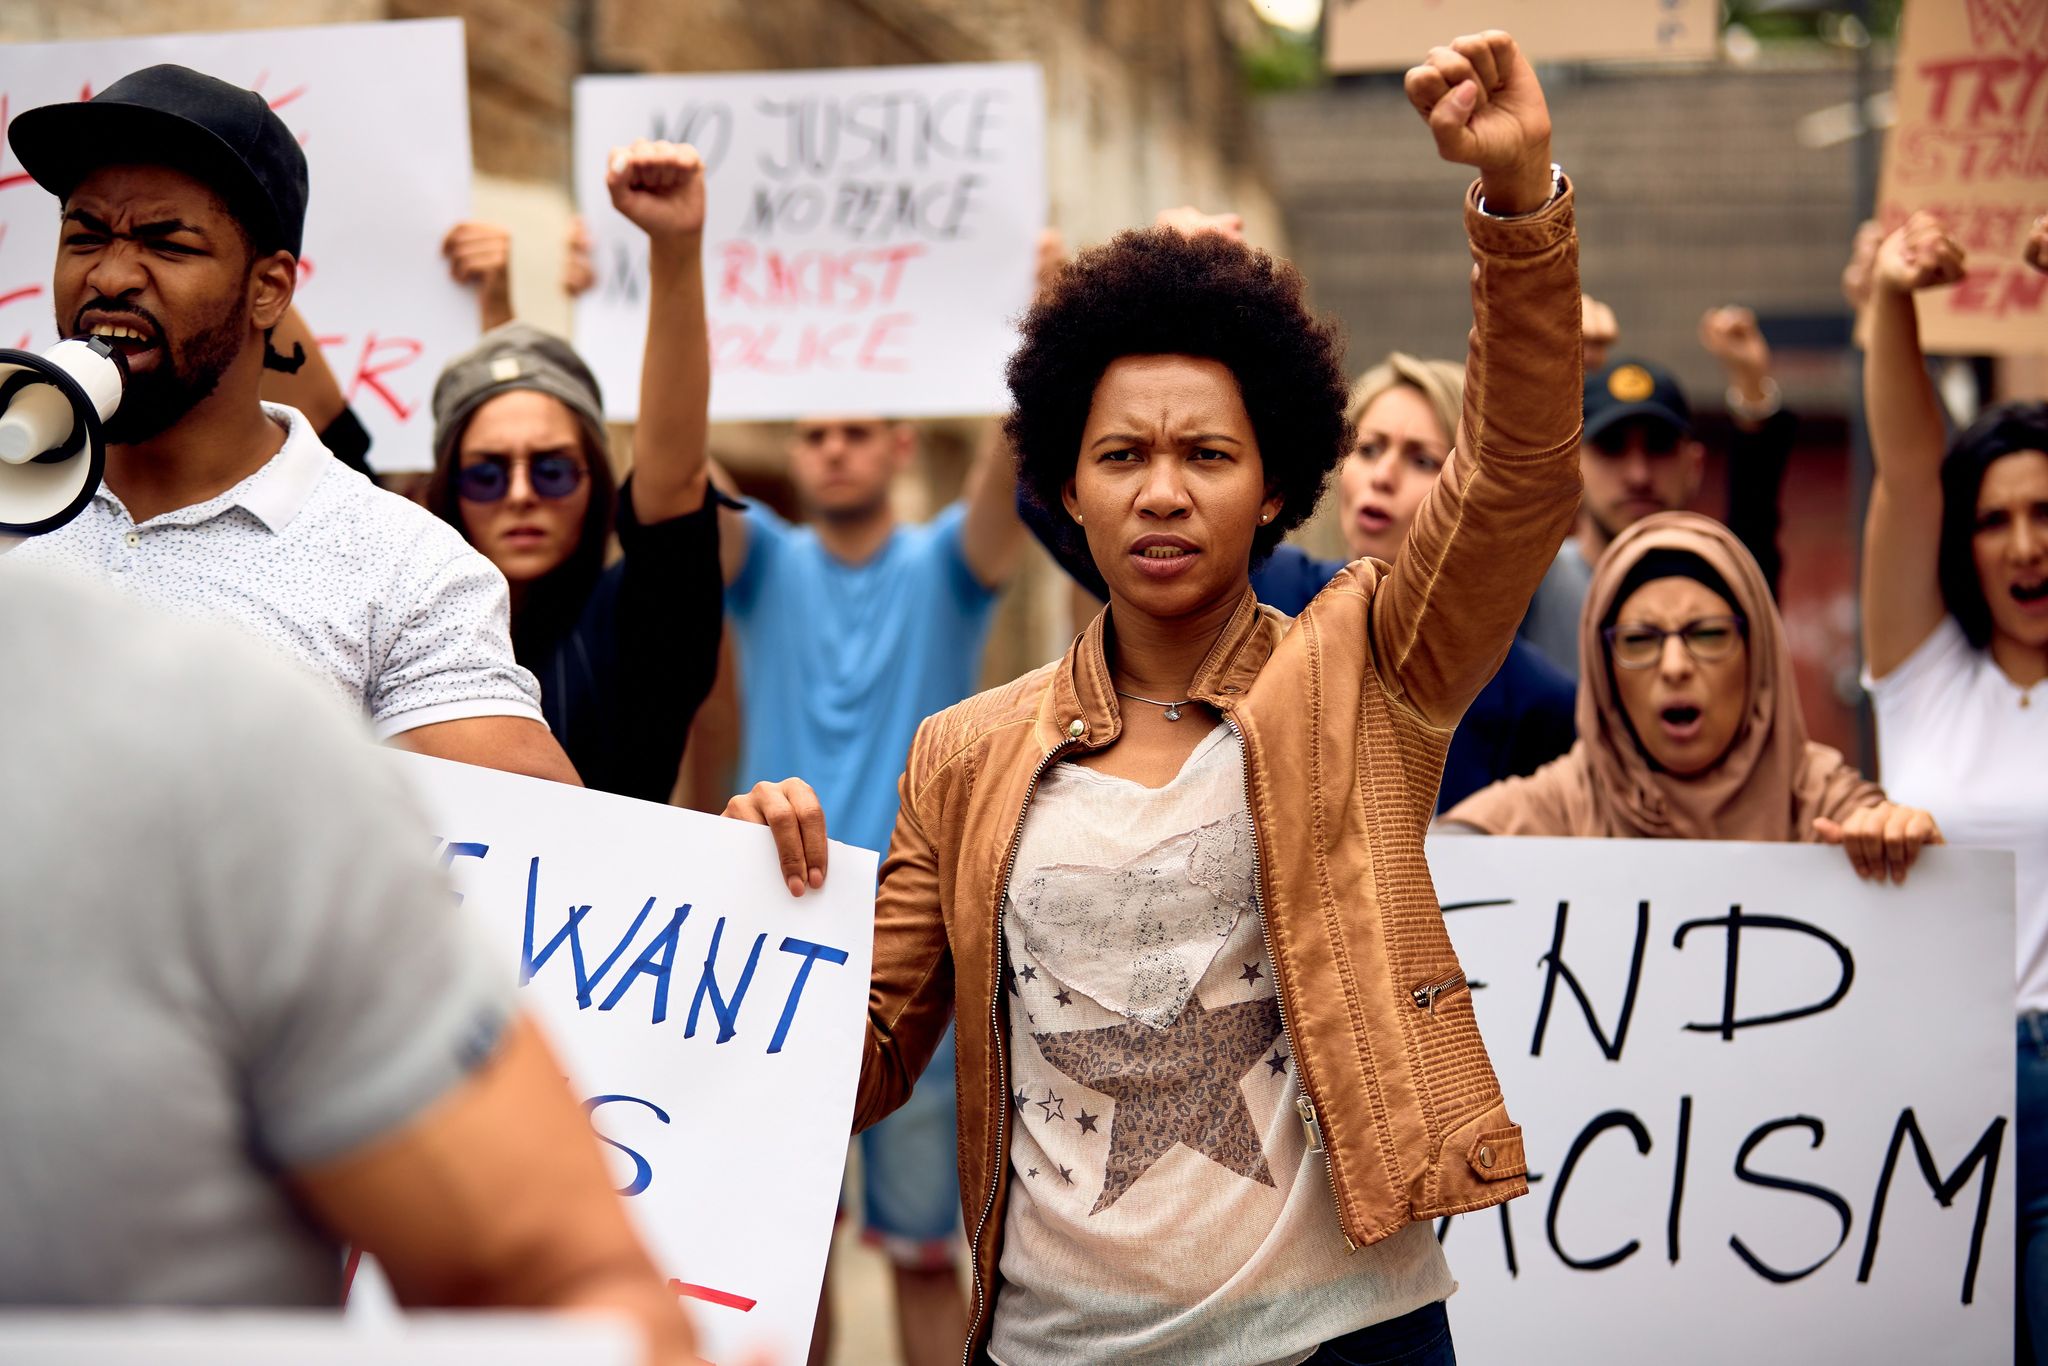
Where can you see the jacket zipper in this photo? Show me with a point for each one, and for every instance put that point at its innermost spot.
(995, 1011)
(1304, 1103)
(1426, 996)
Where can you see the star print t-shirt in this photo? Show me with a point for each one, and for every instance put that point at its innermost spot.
(1163, 1203)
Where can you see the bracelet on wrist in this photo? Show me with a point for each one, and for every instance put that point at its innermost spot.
(1556, 188)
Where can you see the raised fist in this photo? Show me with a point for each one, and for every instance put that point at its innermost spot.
(658, 186)
(1485, 109)
(1189, 221)
(579, 272)
(478, 254)
(1919, 256)
(1732, 337)
(1856, 276)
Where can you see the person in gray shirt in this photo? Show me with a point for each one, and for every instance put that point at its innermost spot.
(241, 1019)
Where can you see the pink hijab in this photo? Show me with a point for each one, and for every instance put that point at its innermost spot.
(1770, 785)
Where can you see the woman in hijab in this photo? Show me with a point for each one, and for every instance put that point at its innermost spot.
(1689, 719)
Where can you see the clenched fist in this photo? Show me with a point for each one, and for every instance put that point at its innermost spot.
(2037, 244)
(1921, 255)
(659, 187)
(1484, 108)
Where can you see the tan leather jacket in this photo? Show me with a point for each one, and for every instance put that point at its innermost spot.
(1345, 714)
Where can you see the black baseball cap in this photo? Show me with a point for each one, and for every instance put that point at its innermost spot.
(1634, 389)
(220, 134)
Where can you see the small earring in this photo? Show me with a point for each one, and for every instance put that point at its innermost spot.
(1077, 519)
(1265, 518)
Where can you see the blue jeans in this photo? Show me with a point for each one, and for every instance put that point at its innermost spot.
(2030, 1302)
(1422, 1338)
(910, 1171)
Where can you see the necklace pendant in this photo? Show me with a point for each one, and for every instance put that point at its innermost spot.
(1173, 711)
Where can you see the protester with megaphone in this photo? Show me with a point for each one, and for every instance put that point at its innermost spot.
(184, 202)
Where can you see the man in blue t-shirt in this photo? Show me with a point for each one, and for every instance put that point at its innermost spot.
(851, 629)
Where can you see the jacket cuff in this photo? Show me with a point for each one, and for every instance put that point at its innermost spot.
(1526, 234)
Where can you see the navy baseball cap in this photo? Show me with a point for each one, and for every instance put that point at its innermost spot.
(1634, 389)
(220, 134)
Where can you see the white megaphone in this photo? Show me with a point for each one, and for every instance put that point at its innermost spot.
(52, 453)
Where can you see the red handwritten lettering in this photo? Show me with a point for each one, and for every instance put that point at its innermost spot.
(848, 281)
(2001, 291)
(705, 1293)
(881, 334)
(371, 371)
(1998, 88)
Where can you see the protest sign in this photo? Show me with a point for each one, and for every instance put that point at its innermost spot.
(382, 111)
(870, 242)
(1392, 35)
(215, 1337)
(711, 1023)
(1768, 1107)
(1971, 144)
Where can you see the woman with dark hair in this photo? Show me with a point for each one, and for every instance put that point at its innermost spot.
(1217, 1065)
(1689, 718)
(624, 654)
(1955, 640)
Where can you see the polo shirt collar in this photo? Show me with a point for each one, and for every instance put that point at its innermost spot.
(275, 493)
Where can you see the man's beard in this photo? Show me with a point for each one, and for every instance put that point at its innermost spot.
(157, 400)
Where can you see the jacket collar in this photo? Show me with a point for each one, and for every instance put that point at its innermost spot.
(1080, 705)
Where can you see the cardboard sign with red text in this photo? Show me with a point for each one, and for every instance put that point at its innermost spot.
(1972, 145)
(1392, 35)
(382, 111)
(870, 239)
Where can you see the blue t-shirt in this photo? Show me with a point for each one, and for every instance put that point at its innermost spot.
(840, 662)
(1519, 722)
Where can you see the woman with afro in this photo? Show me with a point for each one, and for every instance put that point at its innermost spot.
(1217, 1061)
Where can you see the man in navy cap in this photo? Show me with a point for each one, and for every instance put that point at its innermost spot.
(184, 203)
(1638, 455)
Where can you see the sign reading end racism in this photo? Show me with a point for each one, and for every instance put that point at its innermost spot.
(1768, 1107)
(710, 1022)
(382, 111)
(1971, 144)
(870, 240)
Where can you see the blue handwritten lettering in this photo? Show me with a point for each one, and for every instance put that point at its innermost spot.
(655, 960)
(707, 985)
(812, 953)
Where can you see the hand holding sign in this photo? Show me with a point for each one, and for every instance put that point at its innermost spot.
(792, 814)
(659, 187)
(1882, 840)
(2037, 244)
(1485, 108)
(1921, 255)
(1190, 221)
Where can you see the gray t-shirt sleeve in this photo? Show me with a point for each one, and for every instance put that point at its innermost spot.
(352, 986)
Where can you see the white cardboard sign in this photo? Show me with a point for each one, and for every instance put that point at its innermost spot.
(1768, 1107)
(712, 1024)
(871, 235)
(382, 111)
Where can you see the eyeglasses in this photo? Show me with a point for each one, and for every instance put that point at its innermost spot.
(1639, 645)
(490, 479)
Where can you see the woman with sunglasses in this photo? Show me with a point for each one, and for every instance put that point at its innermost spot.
(1689, 718)
(624, 654)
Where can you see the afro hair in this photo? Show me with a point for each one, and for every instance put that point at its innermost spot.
(1158, 292)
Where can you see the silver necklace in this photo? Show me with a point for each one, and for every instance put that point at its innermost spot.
(1172, 708)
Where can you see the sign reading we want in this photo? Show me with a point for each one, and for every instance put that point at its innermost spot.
(1768, 1107)
(382, 111)
(711, 1024)
(870, 242)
